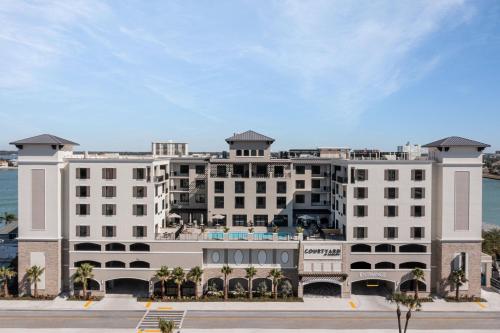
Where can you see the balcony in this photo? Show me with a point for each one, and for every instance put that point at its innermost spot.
(320, 203)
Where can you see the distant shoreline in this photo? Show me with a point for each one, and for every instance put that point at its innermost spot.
(8, 168)
(491, 176)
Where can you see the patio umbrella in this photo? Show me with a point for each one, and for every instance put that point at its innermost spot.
(174, 216)
(306, 217)
(219, 217)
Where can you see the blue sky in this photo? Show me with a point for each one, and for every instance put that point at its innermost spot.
(116, 75)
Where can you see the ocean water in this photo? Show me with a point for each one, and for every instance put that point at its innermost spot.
(491, 196)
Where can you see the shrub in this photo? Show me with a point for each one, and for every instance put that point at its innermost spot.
(285, 289)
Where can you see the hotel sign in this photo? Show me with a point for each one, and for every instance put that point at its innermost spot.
(323, 252)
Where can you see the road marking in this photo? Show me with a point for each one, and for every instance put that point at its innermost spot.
(353, 306)
(87, 304)
(151, 331)
(148, 304)
(165, 308)
(481, 305)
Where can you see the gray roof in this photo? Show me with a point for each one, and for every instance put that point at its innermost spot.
(456, 141)
(249, 136)
(44, 139)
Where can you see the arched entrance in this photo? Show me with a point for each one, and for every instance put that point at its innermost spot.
(131, 286)
(373, 287)
(322, 289)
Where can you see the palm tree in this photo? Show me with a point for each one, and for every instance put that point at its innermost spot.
(411, 304)
(250, 273)
(34, 274)
(277, 276)
(195, 275)
(163, 274)
(226, 270)
(8, 217)
(178, 276)
(458, 279)
(6, 273)
(491, 243)
(82, 275)
(166, 326)
(418, 275)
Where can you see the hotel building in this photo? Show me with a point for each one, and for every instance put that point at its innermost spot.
(367, 219)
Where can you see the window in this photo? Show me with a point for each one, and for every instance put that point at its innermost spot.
(418, 211)
(360, 211)
(391, 232)
(281, 202)
(260, 220)
(315, 198)
(418, 193)
(239, 202)
(221, 171)
(360, 232)
(300, 169)
(361, 248)
(139, 191)
(82, 209)
(391, 211)
(239, 220)
(418, 175)
(83, 191)
(109, 209)
(138, 173)
(261, 152)
(219, 187)
(239, 187)
(82, 173)
(417, 232)
(200, 184)
(200, 169)
(199, 198)
(316, 169)
(184, 169)
(246, 152)
(391, 175)
(391, 192)
(300, 184)
(261, 170)
(315, 183)
(261, 187)
(281, 187)
(253, 152)
(280, 220)
(184, 183)
(300, 198)
(139, 210)
(238, 152)
(108, 231)
(218, 202)
(82, 231)
(139, 231)
(361, 175)
(108, 173)
(184, 197)
(279, 171)
(261, 202)
(361, 192)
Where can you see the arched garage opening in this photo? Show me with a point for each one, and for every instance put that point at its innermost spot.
(322, 289)
(90, 262)
(409, 285)
(91, 285)
(234, 282)
(373, 287)
(87, 247)
(129, 286)
(258, 283)
(214, 284)
(412, 265)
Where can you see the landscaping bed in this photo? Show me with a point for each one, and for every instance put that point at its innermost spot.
(28, 298)
(465, 299)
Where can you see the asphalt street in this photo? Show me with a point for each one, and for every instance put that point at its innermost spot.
(253, 319)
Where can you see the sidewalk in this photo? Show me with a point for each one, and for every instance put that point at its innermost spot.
(354, 303)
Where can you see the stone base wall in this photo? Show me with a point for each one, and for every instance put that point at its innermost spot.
(52, 274)
(442, 261)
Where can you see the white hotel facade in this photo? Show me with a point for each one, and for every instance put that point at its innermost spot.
(377, 217)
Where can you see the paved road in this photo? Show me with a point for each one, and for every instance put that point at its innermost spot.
(253, 319)
(69, 319)
(338, 320)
